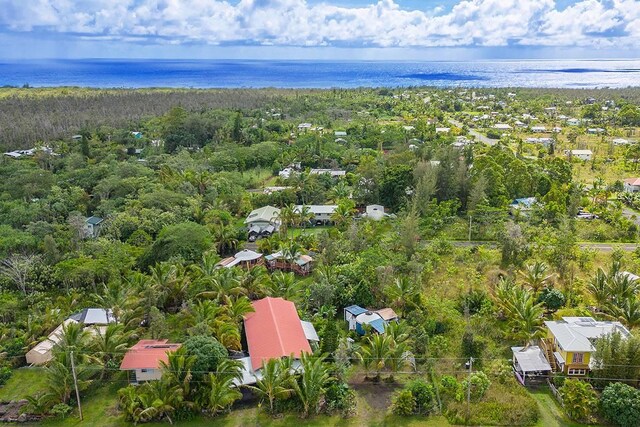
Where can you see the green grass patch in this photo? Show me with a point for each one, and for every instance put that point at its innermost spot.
(23, 382)
(551, 414)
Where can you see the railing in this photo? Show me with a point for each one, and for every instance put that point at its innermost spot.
(555, 393)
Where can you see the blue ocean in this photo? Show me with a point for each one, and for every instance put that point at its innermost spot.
(109, 73)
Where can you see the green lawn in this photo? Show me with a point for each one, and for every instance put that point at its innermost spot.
(551, 415)
(23, 382)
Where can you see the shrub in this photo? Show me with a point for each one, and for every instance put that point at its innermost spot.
(479, 385)
(207, 351)
(60, 410)
(578, 398)
(620, 405)
(340, 398)
(5, 374)
(471, 346)
(449, 387)
(403, 403)
(423, 394)
(552, 299)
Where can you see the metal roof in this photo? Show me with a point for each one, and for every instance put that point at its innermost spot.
(94, 316)
(264, 214)
(94, 220)
(355, 310)
(147, 354)
(273, 331)
(531, 359)
(309, 331)
(378, 325)
(577, 333)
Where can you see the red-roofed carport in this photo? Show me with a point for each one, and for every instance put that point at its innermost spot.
(274, 331)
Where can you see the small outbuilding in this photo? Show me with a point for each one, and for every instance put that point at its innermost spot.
(246, 258)
(529, 363)
(143, 360)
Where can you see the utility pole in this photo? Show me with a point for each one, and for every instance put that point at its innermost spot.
(469, 390)
(75, 383)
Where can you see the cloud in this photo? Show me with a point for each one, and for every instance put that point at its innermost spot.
(585, 23)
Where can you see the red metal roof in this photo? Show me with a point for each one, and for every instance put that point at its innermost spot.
(274, 331)
(147, 354)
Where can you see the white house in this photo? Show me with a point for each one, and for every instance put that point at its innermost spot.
(263, 217)
(620, 141)
(443, 130)
(333, 173)
(502, 126)
(584, 155)
(538, 129)
(304, 126)
(321, 213)
(632, 185)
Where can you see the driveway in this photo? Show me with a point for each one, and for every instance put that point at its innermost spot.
(478, 136)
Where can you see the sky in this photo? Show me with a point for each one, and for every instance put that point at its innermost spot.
(320, 29)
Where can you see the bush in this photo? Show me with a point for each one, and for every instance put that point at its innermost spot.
(479, 385)
(60, 410)
(5, 374)
(471, 347)
(403, 403)
(423, 394)
(578, 398)
(340, 398)
(620, 405)
(449, 387)
(207, 351)
(552, 299)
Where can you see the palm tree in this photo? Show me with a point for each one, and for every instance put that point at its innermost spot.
(224, 282)
(375, 354)
(288, 217)
(109, 344)
(312, 383)
(343, 213)
(220, 390)
(629, 312)
(237, 308)
(274, 383)
(74, 338)
(225, 238)
(402, 293)
(598, 287)
(177, 370)
(535, 276)
(285, 285)
(115, 296)
(305, 216)
(340, 191)
(159, 399)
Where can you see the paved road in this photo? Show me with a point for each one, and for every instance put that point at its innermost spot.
(479, 137)
(632, 215)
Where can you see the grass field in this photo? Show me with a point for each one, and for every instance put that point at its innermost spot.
(23, 382)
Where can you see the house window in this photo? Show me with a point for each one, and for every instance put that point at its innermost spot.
(577, 371)
(144, 370)
(578, 357)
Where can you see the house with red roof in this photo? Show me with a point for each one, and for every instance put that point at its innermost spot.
(274, 330)
(632, 185)
(143, 359)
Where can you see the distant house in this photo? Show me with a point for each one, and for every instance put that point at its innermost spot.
(359, 318)
(76, 137)
(556, 129)
(143, 359)
(523, 204)
(332, 172)
(92, 226)
(595, 131)
(530, 363)
(321, 213)
(375, 212)
(538, 129)
(632, 185)
(443, 130)
(573, 122)
(584, 155)
(620, 141)
(263, 217)
(16, 154)
(570, 342)
(301, 265)
(273, 331)
(94, 320)
(340, 133)
(502, 126)
(304, 126)
(137, 135)
(246, 258)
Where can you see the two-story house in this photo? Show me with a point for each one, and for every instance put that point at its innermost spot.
(570, 342)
